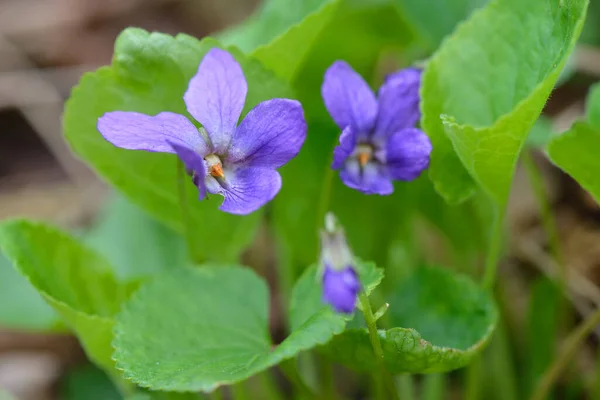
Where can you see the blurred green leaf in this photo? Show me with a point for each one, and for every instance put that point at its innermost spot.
(271, 20)
(136, 245)
(21, 306)
(541, 133)
(150, 74)
(592, 106)
(435, 25)
(218, 334)
(77, 282)
(88, 383)
(487, 84)
(446, 318)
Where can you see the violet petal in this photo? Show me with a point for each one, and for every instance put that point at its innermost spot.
(348, 98)
(194, 163)
(270, 135)
(371, 179)
(407, 154)
(248, 189)
(398, 103)
(136, 131)
(340, 289)
(344, 149)
(216, 95)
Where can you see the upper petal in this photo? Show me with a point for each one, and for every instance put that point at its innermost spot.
(398, 102)
(407, 154)
(271, 134)
(248, 189)
(348, 98)
(344, 149)
(136, 131)
(216, 96)
(194, 164)
(372, 179)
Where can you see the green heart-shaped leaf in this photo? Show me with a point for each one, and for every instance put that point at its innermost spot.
(487, 84)
(446, 320)
(197, 329)
(77, 282)
(150, 74)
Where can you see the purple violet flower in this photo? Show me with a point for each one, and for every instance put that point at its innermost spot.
(340, 281)
(379, 142)
(238, 162)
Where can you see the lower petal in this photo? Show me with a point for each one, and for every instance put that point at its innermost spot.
(193, 164)
(370, 179)
(344, 149)
(248, 189)
(407, 154)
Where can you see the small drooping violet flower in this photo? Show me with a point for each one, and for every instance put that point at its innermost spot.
(379, 142)
(340, 280)
(238, 162)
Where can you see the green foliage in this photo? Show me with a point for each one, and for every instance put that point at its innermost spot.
(438, 322)
(433, 26)
(77, 282)
(574, 151)
(21, 307)
(136, 245)
(197, 329)
(88, 383)
(487, 84)
(150, 74)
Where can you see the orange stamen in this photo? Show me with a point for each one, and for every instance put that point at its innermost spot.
(217, 171)
(363, 158)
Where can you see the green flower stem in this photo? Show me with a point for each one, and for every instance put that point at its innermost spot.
(326, 190)
(185, 215)
(493, 255)
(289, 369)
(568, 350)
(376, 343)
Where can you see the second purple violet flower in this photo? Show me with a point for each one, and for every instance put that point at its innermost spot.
(379, 141)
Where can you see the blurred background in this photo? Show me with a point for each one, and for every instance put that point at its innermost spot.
(45, 47)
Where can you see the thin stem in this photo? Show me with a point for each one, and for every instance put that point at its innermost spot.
(473, 379)
(289, 369)
(537, 184)
(572, 342)
(493, 255)
(185, 215)
(325, 198)
(326, 379)
(376, 343)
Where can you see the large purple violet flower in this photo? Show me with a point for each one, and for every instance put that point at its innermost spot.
(238, 162)
(379, 142)
(340, 281)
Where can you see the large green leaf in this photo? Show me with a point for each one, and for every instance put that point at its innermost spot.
(21, 307)
(136, 245)
(77, 282)
(487, 84)
(439, 322)
(197, 329)
(149, 74)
